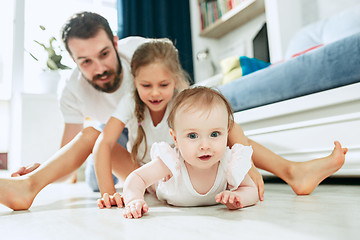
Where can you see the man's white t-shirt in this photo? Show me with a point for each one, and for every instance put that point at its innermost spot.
(159, 133)
(79, 99)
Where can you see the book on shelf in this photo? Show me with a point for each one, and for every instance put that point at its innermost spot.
(213, 10)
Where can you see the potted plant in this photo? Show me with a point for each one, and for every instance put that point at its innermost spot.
(50, 77)
(54, 54)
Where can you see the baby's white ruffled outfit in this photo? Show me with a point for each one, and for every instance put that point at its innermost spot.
(178, 190)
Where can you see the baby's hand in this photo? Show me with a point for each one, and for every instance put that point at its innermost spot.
(230, 199)
(110, 200)
(135, 209)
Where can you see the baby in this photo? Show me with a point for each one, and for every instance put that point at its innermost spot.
(201, 169)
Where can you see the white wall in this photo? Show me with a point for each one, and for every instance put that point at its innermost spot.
(6, 19)
(284, 18)
(6, 43)
(4, 125)
(328, 8)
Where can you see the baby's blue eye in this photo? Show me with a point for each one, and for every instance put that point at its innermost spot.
(192, 135)
(215, 134)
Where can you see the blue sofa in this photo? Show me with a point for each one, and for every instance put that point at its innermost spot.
(333, 65)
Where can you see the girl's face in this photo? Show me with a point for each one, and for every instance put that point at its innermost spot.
(155, 85)
(201, 136)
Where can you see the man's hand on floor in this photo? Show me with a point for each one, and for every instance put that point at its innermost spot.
(25, 170)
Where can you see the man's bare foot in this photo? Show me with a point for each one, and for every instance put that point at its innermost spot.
(306, 176)
(16, 193)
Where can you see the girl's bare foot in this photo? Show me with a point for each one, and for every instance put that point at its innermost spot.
(16, 193)
(306, 176)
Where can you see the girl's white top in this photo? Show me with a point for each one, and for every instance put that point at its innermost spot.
(178, 190)
(125, 112)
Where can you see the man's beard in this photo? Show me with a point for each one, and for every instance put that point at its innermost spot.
(109, 87)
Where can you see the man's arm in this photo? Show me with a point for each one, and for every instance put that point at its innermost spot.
(70, 131)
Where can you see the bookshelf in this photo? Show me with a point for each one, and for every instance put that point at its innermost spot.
(219, 17)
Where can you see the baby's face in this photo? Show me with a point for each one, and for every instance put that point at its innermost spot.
(201, 136)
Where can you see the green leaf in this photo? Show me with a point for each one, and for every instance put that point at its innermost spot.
(54, 60)
(41, 44)
(33, 56)
(62, 66)
(51, 64)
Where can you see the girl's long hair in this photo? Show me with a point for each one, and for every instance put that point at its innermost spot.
(156, 50)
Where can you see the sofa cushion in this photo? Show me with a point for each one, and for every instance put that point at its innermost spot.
(235, 67)
(341, 25)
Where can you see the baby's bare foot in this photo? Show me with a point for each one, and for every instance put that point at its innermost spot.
(306, 176)
(16, 193)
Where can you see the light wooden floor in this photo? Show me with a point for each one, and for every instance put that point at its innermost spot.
(65, 211)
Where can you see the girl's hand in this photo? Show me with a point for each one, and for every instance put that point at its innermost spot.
(258, 180)
(110, 200)
(230, 199)
(135, 209)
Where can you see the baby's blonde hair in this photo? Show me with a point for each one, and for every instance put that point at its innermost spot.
(202, 98)
(156, 50)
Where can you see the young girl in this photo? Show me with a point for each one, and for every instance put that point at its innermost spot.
(202, 170)
(158, 77)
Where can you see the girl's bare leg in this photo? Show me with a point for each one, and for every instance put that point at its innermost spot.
(19, 193)
(303, 177)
